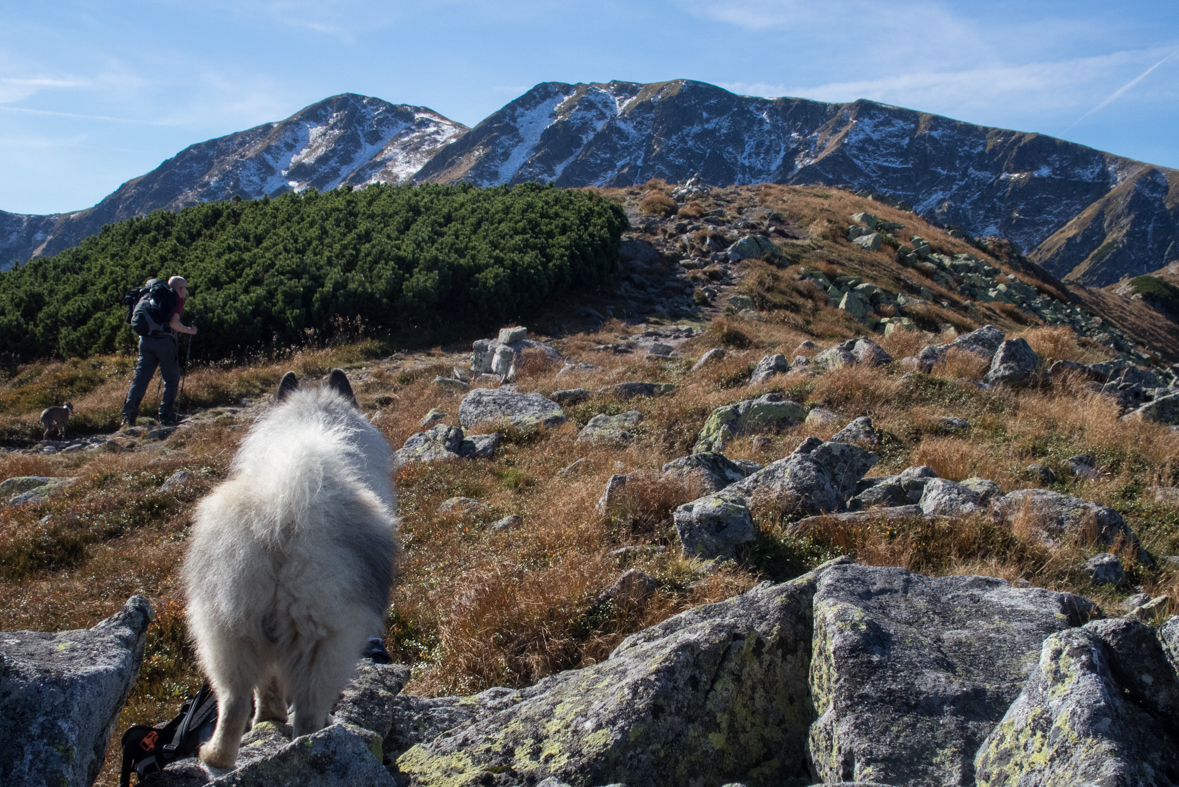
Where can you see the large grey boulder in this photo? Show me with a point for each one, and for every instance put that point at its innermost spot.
(984, 341)
(1164, 410)
(753, 247)
(833, 358)
(497, 405)
(860, 430)
(499, 356)
(707, 472)
(911, 673)
(766, 414)
(604, 428)
(714, 695)
(714, 526)
(1014, 364)
(870, 353)
(61, 694)
(1100, 707)
(1055, 515)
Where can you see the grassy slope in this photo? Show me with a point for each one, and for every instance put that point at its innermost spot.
(475, 608)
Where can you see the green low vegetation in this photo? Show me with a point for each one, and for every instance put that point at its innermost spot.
(1162, 294)
(308, 267)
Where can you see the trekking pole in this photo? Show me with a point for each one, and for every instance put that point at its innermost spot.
(184, 373)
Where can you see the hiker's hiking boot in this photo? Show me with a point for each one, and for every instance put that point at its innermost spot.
(169, 419)
(128, 422)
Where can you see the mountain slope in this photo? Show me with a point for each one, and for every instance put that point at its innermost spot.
(346, 139)
(1027, 187)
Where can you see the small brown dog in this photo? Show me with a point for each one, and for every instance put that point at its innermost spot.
(56, 418)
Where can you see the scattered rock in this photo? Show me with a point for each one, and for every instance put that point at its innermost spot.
(612, 494)
(462, 506)
(570, 396)
(817, 477)
(753, 247)
(710, 357)
(62, 694)
(858, 431)
(951, 424)
(911, 673)
(870, 353)
(1014, 364)
(571, 468)
(833, 358)
(1083, 466)
(175, 481)
(767, 367)
(707, 472)
(1041, 473)
(631, 591)
(521, 410)
(40, 492)
(451, 384)
(509, 522)
(986, 489)
(855, 518)
(1055, 515)
(626, 391)
(1164, 496)
(714, 526)
(1106, 569)
(432, 417)
(949, 499)
(604, 428)
(443, 442)
(913, 480)
(768, 413)
(822, 419)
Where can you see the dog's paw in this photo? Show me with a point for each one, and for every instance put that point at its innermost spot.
(216, 758)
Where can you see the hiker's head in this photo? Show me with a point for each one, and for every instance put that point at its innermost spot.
(178, 284)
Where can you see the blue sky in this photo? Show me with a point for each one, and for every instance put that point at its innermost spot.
(94, 94)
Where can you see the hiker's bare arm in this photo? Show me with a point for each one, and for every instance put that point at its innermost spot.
(176, 326)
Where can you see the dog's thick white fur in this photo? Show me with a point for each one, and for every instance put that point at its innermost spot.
(290, 563)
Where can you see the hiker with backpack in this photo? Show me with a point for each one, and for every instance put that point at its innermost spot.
(155, 316)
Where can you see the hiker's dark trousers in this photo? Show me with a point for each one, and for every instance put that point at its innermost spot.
(155, 350)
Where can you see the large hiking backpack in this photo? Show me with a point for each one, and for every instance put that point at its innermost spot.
(150, 307)
(148, 749)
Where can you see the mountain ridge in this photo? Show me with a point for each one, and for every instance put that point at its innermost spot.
(1086, 215)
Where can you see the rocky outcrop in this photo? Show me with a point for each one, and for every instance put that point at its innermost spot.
(499, 356)
(61, 694)
(709, 696)
(707, 471)
(817, 477)
(1055, 515)
(1014, 364)
(911, 673)
(714, 526)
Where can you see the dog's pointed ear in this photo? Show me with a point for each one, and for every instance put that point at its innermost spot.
(287, 386)
(338, 382)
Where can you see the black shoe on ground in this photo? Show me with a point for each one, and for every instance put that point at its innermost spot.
(169, 420)
(128, 422)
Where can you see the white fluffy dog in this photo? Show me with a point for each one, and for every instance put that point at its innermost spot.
(290, 563)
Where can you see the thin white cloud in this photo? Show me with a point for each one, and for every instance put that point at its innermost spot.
(28, 111)
(1120, 91)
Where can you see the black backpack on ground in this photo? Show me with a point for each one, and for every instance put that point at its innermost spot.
(148, 749)
(150, 307)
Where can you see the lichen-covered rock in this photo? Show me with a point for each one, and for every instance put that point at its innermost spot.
(948, 498)
(833, 358)
(61, 694)
(1056, 515)
(707, 472)
(367, 701)
(888, 492)
(766, 414)
(497, 405)
(985, 341)
(911, 673)
(714, 526)
(630, 390)
(858, 431)
(714, 695)
(604, 428)
(40, 491)
(767, 367)
(1014, 364)
(1098, 709)
(914, 479)
(630, 591)
(11, 487)
(612, 495)
(462, 506)
(818, 417)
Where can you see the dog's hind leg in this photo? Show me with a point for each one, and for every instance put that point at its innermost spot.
(233, 711)
(316, 680)
(271, 702)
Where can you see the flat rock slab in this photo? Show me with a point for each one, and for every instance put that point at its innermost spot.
(496, 405)
(61, 694)
(1098, 709)
(766, 414)
(604, 428)
(711, 696)
(911, 673)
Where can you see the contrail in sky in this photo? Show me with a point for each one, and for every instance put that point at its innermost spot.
(1120, 91)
